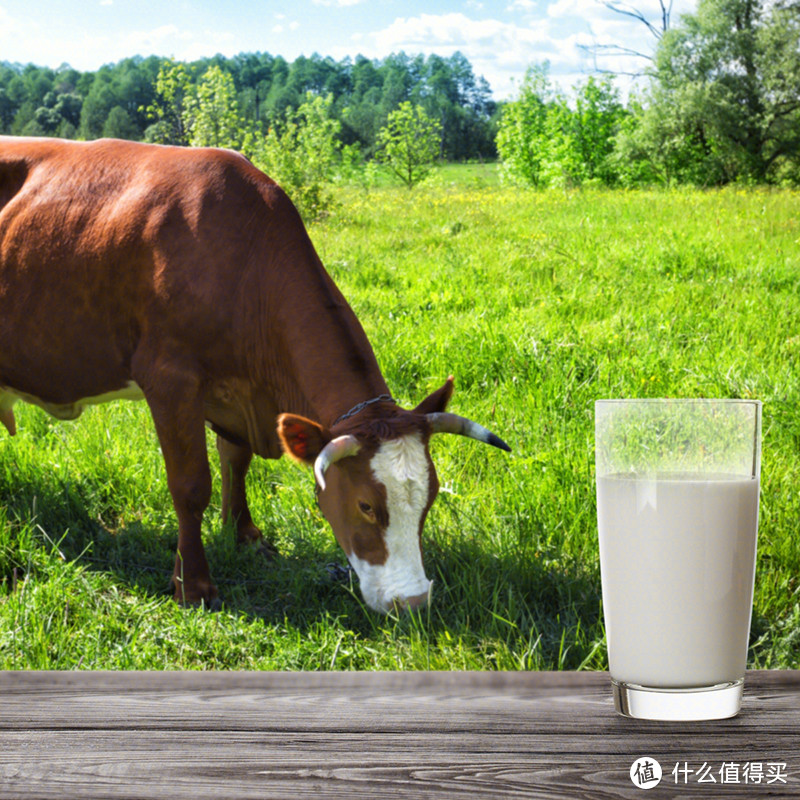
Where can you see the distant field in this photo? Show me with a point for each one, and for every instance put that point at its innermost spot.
(538, 303)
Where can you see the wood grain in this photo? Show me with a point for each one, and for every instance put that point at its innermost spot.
(368, 735)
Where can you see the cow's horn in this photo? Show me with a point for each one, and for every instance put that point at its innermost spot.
(444, 422)
(336, 449)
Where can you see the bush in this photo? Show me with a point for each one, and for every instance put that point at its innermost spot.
(300, 153)
(409, 143)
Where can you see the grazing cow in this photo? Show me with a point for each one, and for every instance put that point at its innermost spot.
(186, 277)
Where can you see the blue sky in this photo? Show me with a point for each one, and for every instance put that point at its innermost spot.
(499, 38)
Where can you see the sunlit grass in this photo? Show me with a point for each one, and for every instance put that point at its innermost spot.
(538, 303)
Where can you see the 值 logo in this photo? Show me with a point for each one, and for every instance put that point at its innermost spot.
(646, 772)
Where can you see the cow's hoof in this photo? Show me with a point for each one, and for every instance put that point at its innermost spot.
(267, 550)
(200, 593)
(248, 533)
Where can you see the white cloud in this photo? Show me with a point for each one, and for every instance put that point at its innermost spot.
(454, 31)
(155, 40)
(207, 43)
(499, 51)
(9, 27)
(277, 29)
(561, 34)
(29, 40)
(602, 20)
(340, 3)
(603, 26)
(165, 40)
(580, 8)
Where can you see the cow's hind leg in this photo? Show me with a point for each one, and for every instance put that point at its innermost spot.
(234, 461)
(175, 402)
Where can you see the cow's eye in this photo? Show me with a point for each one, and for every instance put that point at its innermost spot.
(365, 508)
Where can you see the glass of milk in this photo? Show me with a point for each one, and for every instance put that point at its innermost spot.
(677, 514)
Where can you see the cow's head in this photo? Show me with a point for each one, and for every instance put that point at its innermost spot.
(375, 484)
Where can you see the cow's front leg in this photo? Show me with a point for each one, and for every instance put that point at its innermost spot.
(234, 461)
(177, 411)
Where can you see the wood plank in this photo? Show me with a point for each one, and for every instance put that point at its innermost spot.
(370, 735)
(199, 680)
(387, 702)
(191, 765)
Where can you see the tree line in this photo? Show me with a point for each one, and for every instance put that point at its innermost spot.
(119, 100)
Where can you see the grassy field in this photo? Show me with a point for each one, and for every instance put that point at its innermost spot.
(538, 303)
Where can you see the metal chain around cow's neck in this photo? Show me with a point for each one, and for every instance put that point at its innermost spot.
(386, 398)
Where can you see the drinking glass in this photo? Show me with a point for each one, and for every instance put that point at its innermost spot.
(677, 515)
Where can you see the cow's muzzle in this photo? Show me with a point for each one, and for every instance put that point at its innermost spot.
(415, 603)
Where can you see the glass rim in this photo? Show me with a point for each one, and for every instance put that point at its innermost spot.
(681, 400)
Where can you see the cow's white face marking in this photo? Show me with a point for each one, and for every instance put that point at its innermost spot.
(401, 465)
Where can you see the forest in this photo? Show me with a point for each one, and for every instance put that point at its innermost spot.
(114, 100)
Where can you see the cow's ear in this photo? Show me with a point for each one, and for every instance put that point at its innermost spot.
(437, 402)
(301, 438)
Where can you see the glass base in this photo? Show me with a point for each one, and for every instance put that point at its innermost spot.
(709, 702)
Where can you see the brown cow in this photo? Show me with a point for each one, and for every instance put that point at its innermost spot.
(186, 277)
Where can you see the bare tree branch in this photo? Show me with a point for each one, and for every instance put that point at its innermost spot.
(605, 50)
(631, 11)
(627, 10)
(666, 15)
(613, 50)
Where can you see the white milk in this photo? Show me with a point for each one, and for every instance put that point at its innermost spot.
(677, 557)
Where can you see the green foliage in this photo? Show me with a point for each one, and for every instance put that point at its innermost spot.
(543, 140)
(723, 106)
(154, 93)
(300, 153)
(129, 85)
(522, 135)
(596, 122)
(211, 117)
(409, 143)
(169, 107)
(119, 125)
(726, 94)
(657, 145)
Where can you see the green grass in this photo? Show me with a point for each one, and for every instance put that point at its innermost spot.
(538, 303)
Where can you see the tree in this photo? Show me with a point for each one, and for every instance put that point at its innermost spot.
(119, 125)
(598, 114)
(544, 140)
(657, 144)
(730, 77)
(300, 152)
(69, 107)
(97, 106)
(212, 115)
(409, 143)
(169, 106)
(523, 135)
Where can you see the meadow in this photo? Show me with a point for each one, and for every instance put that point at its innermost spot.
(538, 303)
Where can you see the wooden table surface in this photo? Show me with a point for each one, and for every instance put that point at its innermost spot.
(378, 735)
